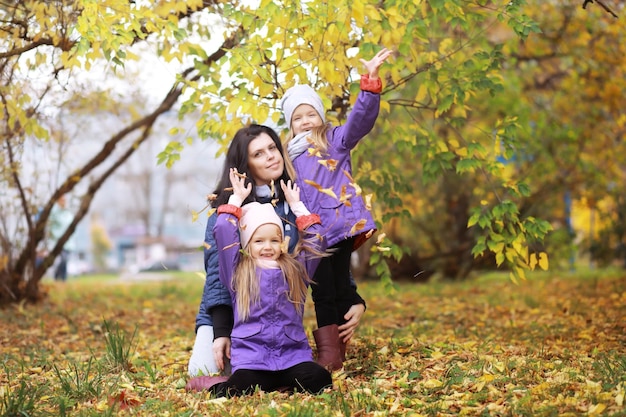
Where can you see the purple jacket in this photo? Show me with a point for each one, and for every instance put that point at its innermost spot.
(273, 337)
(339, 219)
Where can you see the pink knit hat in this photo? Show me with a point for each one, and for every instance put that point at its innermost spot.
(254, 215)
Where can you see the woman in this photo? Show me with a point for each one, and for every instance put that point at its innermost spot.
(268, 288)
(257, 151)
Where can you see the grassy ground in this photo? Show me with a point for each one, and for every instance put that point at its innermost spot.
(554, 345)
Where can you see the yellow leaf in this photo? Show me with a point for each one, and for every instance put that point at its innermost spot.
(368, 201)
(344, 197)
(432, 383)
(358, 226)
(327, 191)
(331, 164)
(543, 261)
(422, 93)
(437, 354)
(462, 152)
(596, 409)
(445, 45)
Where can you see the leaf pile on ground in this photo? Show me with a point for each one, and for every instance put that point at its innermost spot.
(553, 345)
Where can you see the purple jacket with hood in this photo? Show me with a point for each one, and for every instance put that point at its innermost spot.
(340, 220)
(273, 336)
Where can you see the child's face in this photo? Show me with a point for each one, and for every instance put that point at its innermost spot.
(265, 243)
(305, 118)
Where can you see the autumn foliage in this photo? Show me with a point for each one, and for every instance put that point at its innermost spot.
(551, 346)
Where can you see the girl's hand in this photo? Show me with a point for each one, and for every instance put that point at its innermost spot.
(374, 64)
(291, 191)
(238, 181)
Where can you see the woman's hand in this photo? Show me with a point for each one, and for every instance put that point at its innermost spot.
(353, 317)
(374, 64)
(221, 349)
(291, 191)
(240, 190)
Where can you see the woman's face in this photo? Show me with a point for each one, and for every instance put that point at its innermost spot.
(264, 160)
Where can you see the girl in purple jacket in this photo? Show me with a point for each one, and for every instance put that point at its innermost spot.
(268, 288)
(320, 157)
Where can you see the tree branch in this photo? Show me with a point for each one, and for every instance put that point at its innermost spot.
(605, 7)
(145, 124)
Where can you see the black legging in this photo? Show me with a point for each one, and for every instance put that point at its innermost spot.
(333, 295)
(304, 377)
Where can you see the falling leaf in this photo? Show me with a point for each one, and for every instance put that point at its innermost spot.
(331, 164)
(194, 216)
(314, 152)
(206, 245)
(368, 202)
(380, 238)
(344, 197)
(357, 227)
(327, 191)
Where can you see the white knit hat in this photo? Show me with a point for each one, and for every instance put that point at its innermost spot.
(254, 215)
(301, 94)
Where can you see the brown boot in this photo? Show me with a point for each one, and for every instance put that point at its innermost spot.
(342, 349)
(328, 351)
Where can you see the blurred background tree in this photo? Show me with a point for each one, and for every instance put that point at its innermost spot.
(500, 121)
(101, 244)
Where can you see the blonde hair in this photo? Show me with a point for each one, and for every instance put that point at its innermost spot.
(245, 283)
(318, 140)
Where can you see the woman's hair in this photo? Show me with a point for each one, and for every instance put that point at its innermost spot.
(237, 157)
(319, 141)
(245, 282)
